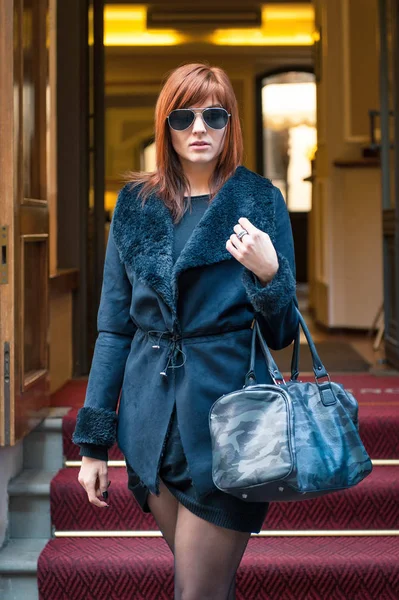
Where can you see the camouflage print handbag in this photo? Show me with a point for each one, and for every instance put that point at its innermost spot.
(286, 441)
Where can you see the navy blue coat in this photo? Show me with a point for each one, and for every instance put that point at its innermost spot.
(198, 311)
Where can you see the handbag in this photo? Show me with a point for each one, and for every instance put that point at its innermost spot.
(286, 441)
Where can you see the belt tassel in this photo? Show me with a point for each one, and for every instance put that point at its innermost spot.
(173, 349)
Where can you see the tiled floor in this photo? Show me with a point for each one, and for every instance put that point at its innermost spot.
(362, 342)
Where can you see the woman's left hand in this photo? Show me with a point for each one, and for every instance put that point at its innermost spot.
(255, 251)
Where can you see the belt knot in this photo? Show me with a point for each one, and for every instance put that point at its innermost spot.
(173, 350)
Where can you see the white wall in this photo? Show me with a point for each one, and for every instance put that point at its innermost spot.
(356, 282)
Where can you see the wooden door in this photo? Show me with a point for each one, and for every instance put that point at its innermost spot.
(96, 160)
(389, 96)
(24, 219)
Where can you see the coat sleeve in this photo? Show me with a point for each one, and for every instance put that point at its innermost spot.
(95, 429)
(275, 303)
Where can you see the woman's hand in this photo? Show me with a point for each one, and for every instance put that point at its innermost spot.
(93, 477)
(255, 251)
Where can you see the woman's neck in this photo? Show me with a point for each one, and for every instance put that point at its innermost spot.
(198, 177)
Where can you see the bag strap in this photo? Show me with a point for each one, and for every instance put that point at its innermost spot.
(318, 367)
(295, 356)
(250, 378)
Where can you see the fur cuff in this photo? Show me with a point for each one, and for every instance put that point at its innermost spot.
(275, 295)
(95, 426)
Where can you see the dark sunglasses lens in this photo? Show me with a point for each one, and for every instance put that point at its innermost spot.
(216, 117)
(180, 119)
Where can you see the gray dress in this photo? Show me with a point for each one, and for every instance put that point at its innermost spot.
(218, 507)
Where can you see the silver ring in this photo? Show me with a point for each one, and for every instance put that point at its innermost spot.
(242, 233)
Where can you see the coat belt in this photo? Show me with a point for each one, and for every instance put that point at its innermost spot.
(174, 345)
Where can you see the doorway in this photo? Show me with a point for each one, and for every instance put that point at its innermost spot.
(286, 145)
(138, 55)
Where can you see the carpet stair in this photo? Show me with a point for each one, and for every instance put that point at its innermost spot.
(28, 523)
(307, 550)
(372, 504)
(288, 568)
(378, 428)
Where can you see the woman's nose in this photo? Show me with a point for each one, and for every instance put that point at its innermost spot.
(199, 124)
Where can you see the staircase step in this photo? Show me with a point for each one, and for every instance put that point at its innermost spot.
(71, 510)
(43, 446)
(18, 568)
(29, 504)
(378, 429)
(302, 567)
(372, 504)
(19, 556)
(365, 568)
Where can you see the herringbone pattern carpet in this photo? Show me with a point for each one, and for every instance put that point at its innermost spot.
(286, 567)
(275, 568)
(373, 504)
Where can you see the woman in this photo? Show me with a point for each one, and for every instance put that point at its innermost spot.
(196, 249)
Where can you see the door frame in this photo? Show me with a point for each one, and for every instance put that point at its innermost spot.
(80, 147)
(389, 162)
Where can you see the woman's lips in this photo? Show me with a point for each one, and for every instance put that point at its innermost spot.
(205, 145)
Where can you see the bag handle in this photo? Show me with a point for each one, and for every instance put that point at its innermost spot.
(318, 367)
(295, 356)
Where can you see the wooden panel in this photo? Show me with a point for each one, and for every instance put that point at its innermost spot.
(51, 111)
(24, 395)
(34, 309)
(7, 151)
(390, 226)
(34, 98)
(391, 324)
(388, 219)
(389, 44)
(61, 331)
(360, 66)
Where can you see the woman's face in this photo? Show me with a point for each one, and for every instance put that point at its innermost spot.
(199, 144)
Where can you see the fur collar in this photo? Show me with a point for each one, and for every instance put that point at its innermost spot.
(145, 236)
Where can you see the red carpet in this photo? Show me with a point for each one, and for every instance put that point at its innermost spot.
(71, 394)
(378, 426)
(378, 399)
(373, 504)
(275, 568)
(365, 387)
(285, 568)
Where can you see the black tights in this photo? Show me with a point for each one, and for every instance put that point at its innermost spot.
(206, 556)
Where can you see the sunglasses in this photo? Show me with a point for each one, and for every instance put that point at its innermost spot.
(181, 118)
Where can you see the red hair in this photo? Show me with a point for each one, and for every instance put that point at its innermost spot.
(188, 85)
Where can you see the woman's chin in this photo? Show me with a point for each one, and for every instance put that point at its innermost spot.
(199, 159)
